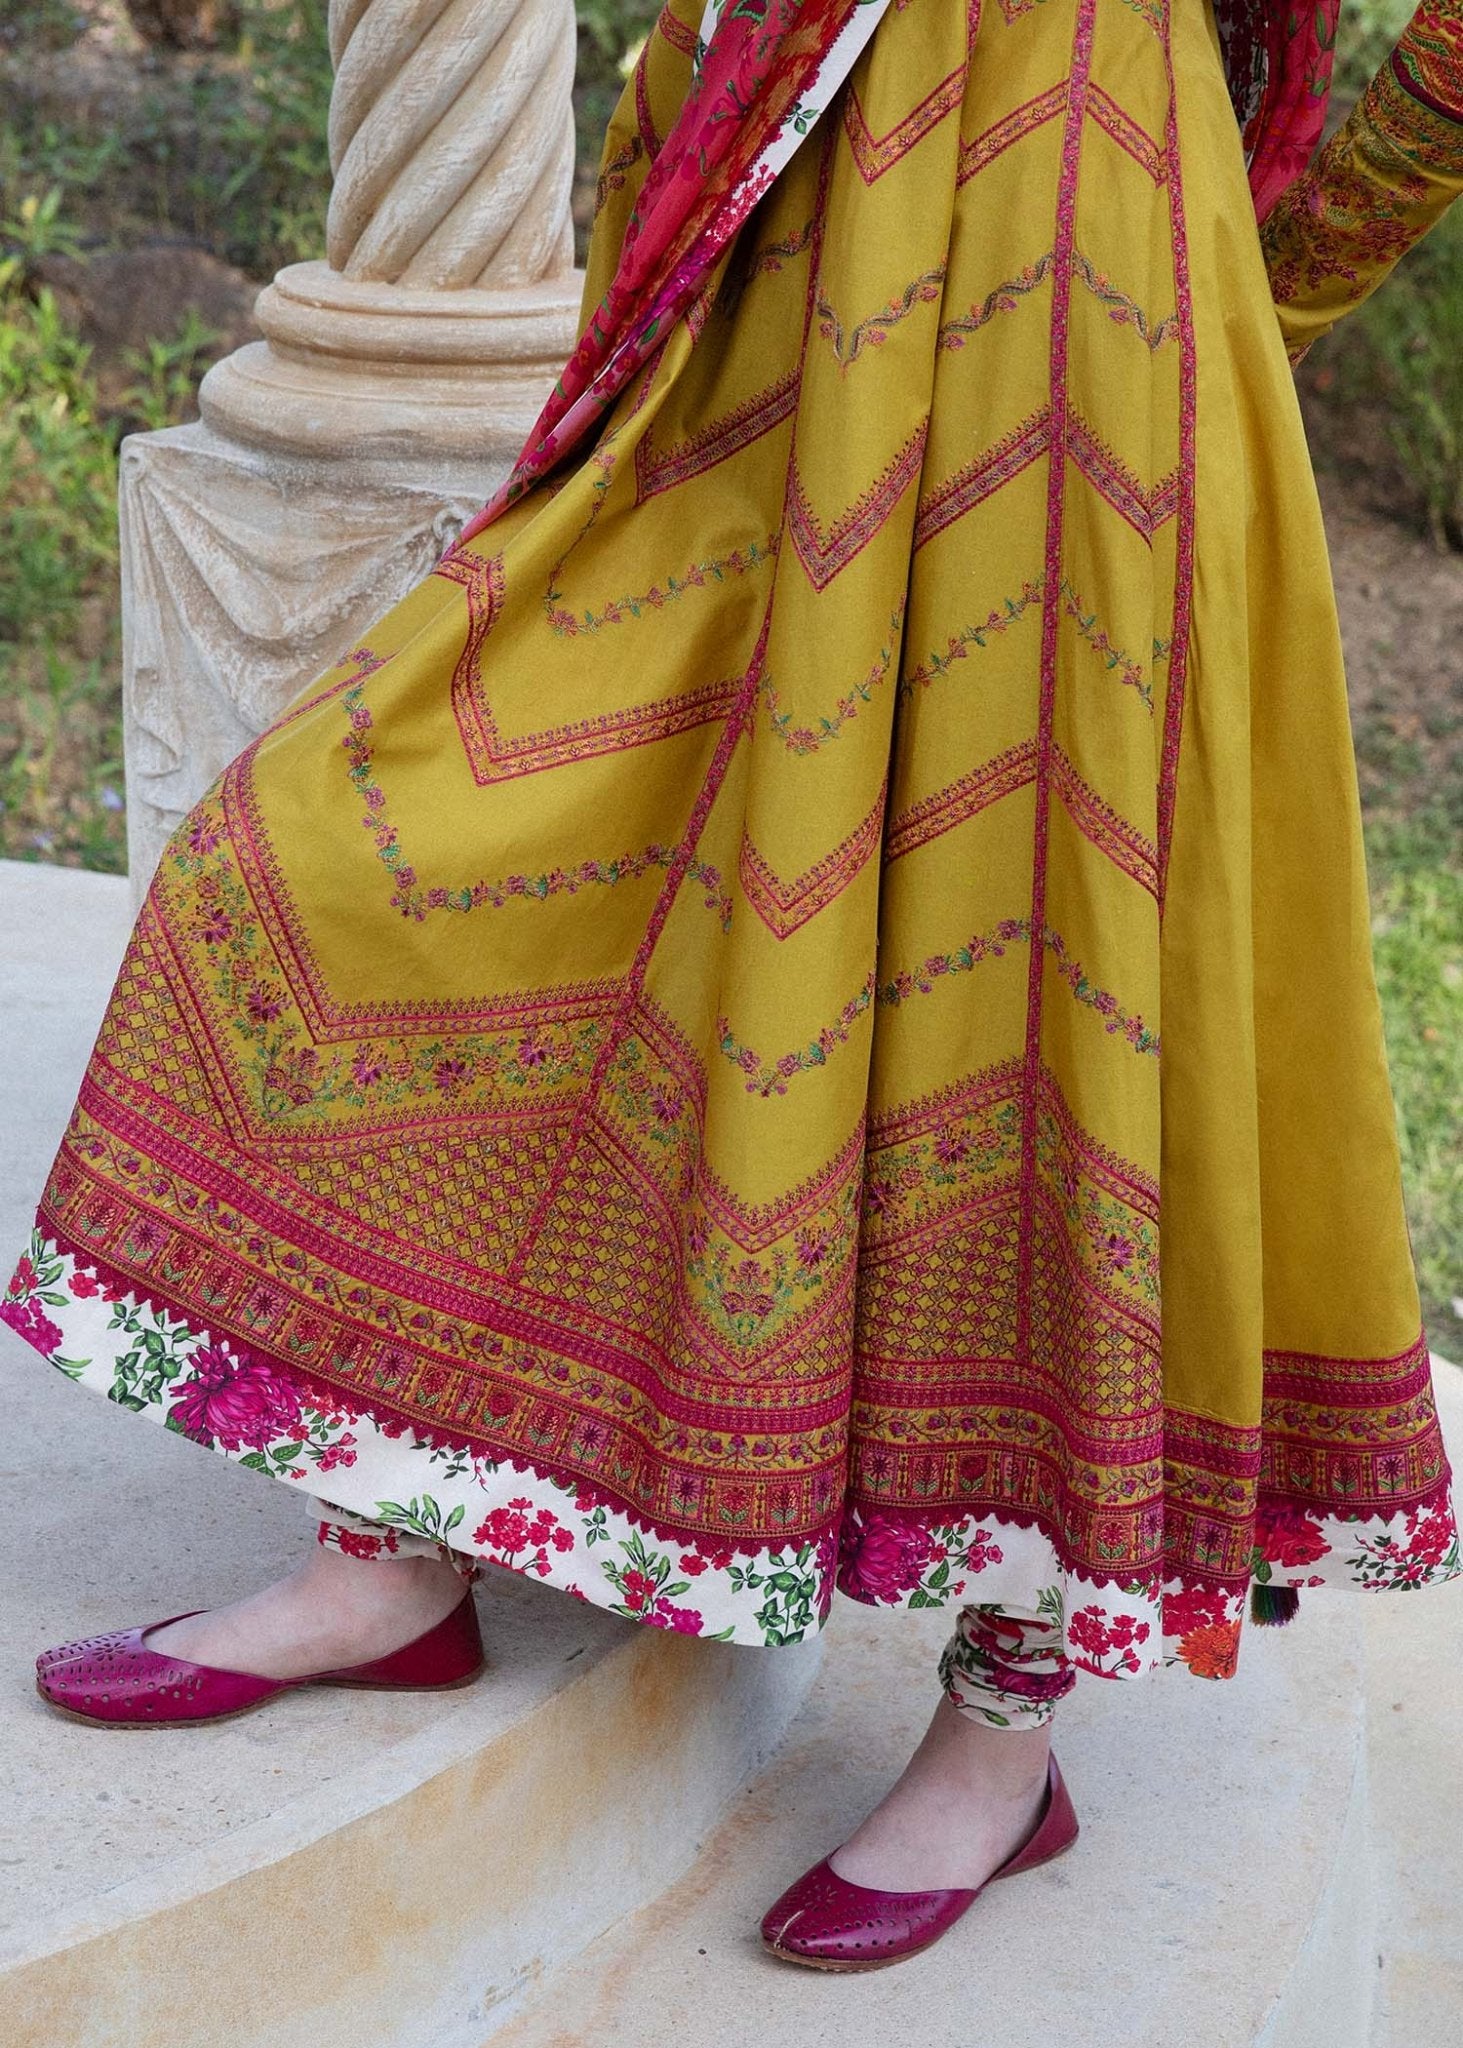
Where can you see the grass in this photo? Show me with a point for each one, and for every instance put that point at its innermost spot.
(1417, 936)
(228, 149)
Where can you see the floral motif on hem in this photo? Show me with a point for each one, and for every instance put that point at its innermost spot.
(384, 1472)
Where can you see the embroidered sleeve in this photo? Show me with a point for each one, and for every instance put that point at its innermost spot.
(1387, 175)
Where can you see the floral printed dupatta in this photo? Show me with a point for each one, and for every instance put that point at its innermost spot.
(764, 71)
(1278, 57)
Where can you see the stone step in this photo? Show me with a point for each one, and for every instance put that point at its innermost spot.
(1272, 1863)
(340, 1867)
(1275, 1862)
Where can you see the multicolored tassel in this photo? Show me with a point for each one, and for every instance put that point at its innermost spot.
(1273, 1606)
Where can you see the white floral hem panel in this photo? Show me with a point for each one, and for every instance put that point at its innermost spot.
(147, 1360)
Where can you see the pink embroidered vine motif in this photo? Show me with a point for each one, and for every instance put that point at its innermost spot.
(697, 576)
(1122, 308)
(849, 344)
(615, 173)
(416, 902)
(999, 620)
(769, 1076)
(807, 739)
(921, 981)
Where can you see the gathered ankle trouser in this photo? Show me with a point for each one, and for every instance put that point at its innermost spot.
(1008, 1665)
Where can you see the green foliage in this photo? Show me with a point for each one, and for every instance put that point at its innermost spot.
(229, 150)
(60, 737)
(1410, 336)
(1366, 33)
(1417, 936)
(612, 28)
(168, 373)
(276, 136)
(36, 228)
(39, 24)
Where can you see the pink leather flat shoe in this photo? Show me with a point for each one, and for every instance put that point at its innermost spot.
(115, 1681)
(829, 1923)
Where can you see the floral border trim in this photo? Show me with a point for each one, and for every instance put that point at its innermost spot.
(252, 1411)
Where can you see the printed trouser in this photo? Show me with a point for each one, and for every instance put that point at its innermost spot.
(1008, 1665)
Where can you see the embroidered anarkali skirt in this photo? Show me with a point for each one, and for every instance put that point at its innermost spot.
(800, 1012)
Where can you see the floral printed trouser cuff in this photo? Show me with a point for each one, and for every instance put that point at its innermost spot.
(1006, 1664)
(354, 1536)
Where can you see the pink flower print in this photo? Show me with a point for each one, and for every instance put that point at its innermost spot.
(451, 1075)
(1118, 1251)
(295, 1075)
(1192, 1607)
(238, 1405)
(1430, 1535)
(30, 1321)
(691, 1563)
(684, 1620)
(812, 1248)
(639, 1591)
(25, 1279)
(951, 1147)
(1099, 1634)
(514, 1530)
(1286, 1535)
(366, 1069)
(665, 1105)
(214, 926)
(203, 835)
(356, 1544)
(885, 1560)
(532, 1051)
(981, 1551)
(264, 1004)
(504, 1529)
(698, 1235)
(338, 1453)
(84, 1286)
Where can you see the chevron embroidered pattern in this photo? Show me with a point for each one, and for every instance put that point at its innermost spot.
(796, 1011)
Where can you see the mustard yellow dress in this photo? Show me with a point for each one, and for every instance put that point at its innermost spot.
(801, 1010)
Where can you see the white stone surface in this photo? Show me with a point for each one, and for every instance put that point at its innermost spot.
(1273, 1863)
(1414, 1672)
(244, 575)
(365, 1867)
(1214, 1822)
(451, 141)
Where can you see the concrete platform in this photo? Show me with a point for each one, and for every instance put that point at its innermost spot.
(341, 1867)
(1276, 1862)
(1273, 1863)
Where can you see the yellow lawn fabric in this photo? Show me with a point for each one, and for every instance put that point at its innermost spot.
(700, 1007)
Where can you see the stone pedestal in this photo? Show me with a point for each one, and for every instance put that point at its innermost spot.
(397, 380)
(245, 573)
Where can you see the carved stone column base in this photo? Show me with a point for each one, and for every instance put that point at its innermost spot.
(246, 572)
(364, 370)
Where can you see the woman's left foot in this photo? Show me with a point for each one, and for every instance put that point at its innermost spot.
(966, 1799)
(973, 1804)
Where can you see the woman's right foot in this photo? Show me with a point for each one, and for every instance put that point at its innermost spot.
(329, 1614)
